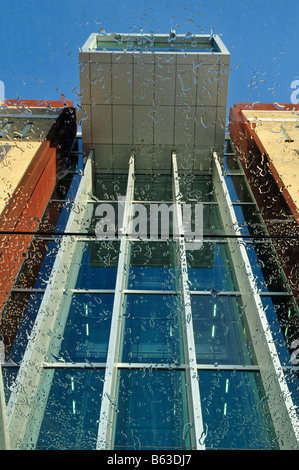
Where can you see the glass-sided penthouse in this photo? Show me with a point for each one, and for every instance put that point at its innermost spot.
(141, 340)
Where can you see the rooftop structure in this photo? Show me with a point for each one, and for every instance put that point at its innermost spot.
(154, 94)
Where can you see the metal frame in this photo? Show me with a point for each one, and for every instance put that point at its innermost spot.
(190, 352)
(105, 430)
(108, 413)
(283, 411)
(25, 406)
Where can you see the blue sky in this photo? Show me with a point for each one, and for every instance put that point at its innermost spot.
(40, 40)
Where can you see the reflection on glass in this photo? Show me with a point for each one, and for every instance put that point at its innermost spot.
(210, 267)
(212, 223)
(230, 164)
(9, 375)
(97, 267)
(110, 187)
(234, 406)
(17, 321)
(151, 329)
(153, 187)
(249, 222)
(86, 333)
(265, 267)
(197, 188)
(220, 330)
(238, 189)
(152, 266)
(38, 263)
(152, 411)
(70, 420)
(282, 316)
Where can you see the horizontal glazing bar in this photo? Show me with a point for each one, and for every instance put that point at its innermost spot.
(144, 291)
(127, 365)
(238, 203)
(129, 237)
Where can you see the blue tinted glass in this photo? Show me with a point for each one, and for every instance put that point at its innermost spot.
(235, 411)
(86, 333)
(249, 222)
(211, 268)
(284, 323)
(38, 264)
(98, 265)
(152, 411)
(152, 266)
(151, 330)
(23, 308)
(70, 420)
(9, 375)
(220, 330)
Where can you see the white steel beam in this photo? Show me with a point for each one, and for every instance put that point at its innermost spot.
(4, 437)
(282, 409)
(28, 398)
(109, 395)
(189, 349)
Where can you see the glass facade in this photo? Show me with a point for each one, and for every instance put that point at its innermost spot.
(150, 343)
(151, 311)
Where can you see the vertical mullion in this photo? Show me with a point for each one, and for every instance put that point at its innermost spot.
(191, 368)
(262, 338)
(104, 439)
(27, 402)
(4, 438)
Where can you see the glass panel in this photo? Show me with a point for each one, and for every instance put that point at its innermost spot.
(97, 268)
(265, 267)
(66, 187)
(152, 411)
(220, 330)
(70, 420)
(57, 215)
(110, 187)
(234, 407)
(152, 330)
(249, 222)
(38, 263)
(228, 146)
(17, 321)
(155, 220)
(212, 223)
(86, 333)
(152, 266)
(211, 268)
(9, 375)
(282, 315)
(238, 189)
(231, 164)
(197, 188)
(153, 188)
(103, 219)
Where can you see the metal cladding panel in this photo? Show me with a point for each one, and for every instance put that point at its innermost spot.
(153, 101)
